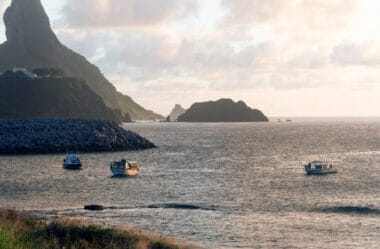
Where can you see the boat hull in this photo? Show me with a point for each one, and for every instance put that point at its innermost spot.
(320, 172)
(124, 172)
(72, 166)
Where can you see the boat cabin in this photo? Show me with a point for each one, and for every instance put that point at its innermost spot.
(319, 167)
(124, 164)
(317, 164)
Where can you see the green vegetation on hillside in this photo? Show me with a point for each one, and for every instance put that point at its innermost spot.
(21, 232)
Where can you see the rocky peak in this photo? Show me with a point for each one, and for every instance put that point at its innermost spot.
(176, 112)
(32, 44)
(27, 24)
(178, 107)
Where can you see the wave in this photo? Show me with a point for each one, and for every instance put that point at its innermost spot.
(179, 206)
(96, 207)
(350, 209)
(167, 206)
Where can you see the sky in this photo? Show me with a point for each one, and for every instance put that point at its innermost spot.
(284, 57)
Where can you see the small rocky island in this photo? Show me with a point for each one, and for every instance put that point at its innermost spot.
(47, 136)
(223, 110)
(177, 111)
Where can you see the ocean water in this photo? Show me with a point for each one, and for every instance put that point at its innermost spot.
(221, 185)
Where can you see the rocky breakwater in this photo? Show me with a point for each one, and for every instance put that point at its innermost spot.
(42, 136)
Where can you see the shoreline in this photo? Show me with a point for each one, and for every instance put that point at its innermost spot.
(18, 230)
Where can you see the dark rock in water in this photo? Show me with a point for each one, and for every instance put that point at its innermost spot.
(31, 44)
(178, 206)
(352, 209)
(41, 136)
(175, 206)
(94, 207)
(51, 97)
(223, 110)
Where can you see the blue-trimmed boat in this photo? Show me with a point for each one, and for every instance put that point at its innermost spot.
(318, 167)
(72, 161)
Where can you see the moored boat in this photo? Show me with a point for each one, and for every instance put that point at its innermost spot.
(124, 168)
(72, 161)
(318, 167)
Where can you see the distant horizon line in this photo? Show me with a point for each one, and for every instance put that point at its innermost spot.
(337, 116)
(368, 116)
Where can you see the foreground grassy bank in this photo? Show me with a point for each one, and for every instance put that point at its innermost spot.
(21, 232)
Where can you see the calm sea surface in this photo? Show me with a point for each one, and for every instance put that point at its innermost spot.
(220, 185)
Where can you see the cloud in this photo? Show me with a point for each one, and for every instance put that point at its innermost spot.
(125, 13)
(86, 42)
(144, 50)
(295, 15)
(146, 54)
(249, 46)
(350, 53)
(312, 58)
(248, 11)
(3, 5)
(154, 58)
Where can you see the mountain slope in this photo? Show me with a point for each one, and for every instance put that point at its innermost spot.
(31, 44)
(51, 98)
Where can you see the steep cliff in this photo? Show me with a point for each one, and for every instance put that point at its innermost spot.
(51, 97)
(31, 44)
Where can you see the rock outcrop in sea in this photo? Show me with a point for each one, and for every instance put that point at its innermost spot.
(42, 136)
(177, 111)
(223, 110)
(31, 44)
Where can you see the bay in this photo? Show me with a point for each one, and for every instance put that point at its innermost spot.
(238, 185)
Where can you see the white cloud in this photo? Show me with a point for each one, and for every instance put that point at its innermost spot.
(304, 14)
(249, 11)
(124, 13)
(274, 54)
(3, 5)
(364, 54)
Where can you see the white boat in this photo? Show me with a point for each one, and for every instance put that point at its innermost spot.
(318, 167)
(72, 161)
(124, 168)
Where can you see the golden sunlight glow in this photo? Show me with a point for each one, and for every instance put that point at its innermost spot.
(102, 5)
(365, 23)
